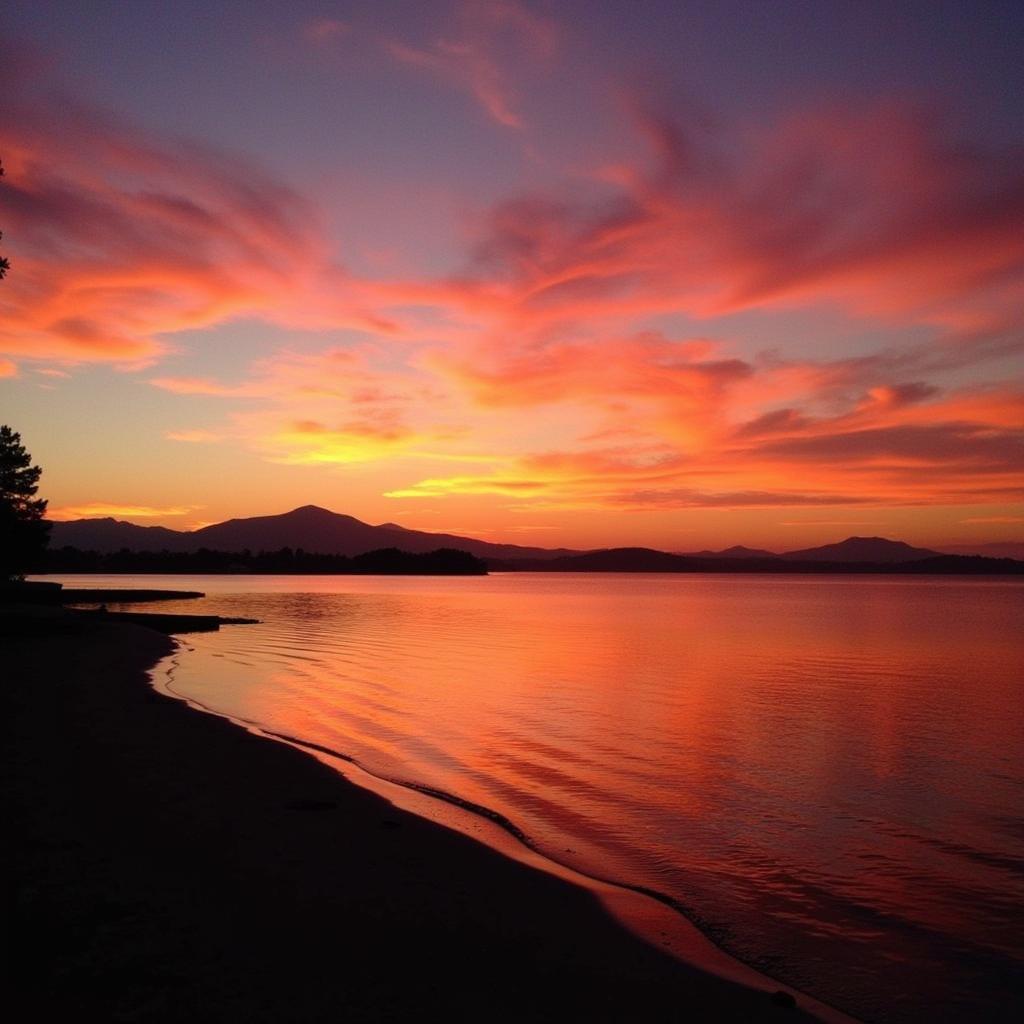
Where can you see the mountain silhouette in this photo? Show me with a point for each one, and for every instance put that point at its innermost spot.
(319, 531)
(114, 534)
(736, 551)
(310, 527)
(862, 549)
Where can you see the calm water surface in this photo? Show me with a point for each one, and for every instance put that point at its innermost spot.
(827, 773)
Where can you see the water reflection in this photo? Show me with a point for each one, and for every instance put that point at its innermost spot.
(828, 773)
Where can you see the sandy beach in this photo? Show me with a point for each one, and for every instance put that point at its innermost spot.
(169, 865)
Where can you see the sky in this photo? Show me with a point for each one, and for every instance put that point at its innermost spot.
(678, 274)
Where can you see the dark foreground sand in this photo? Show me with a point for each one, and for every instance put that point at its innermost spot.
(169, 866)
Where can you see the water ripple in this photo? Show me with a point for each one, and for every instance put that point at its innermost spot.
(826, 773)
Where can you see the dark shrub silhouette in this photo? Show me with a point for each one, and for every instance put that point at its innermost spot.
(23, 531)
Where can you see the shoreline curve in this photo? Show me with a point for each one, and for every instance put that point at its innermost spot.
(667, 925)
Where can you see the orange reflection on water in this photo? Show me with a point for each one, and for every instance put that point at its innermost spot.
(828, 772)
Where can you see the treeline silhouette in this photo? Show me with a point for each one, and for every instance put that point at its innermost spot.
(649, 560)
(386, 561)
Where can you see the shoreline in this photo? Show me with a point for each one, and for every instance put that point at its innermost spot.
(172, 863)
(653, 917)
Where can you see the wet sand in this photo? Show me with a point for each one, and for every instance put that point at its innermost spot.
(168, 865)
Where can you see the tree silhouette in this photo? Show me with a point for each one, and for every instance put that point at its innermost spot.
(23, 531)
(5, 264)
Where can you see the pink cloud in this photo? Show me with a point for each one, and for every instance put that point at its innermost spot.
(874, 210)
(490, 37)
(205, 386)
(643, 365)
(537, 365)
(119, 239)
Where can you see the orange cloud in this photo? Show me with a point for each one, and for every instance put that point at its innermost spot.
(903, 445)
(308, 442)
(643, 365)
(103, 510)
(872, 210)
(335, 406)
(546, 363)
(120, 239)
(7, 368)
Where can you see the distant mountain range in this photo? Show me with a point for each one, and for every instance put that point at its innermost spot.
(316, 530)
(853, 549)
(311, 528)
(862, 549)
(737, 551)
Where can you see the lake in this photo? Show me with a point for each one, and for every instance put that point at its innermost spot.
(825, 773)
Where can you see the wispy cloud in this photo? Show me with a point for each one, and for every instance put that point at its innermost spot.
(874, 210)
(103, 510)
(120, 238)
(194, 436)
(489, 45)
(544, 362)
(205, 386)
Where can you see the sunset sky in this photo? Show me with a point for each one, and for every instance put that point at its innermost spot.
(666, 273)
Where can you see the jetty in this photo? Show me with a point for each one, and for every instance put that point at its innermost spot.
(40, 594)
(167, 623)
(47, 592)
